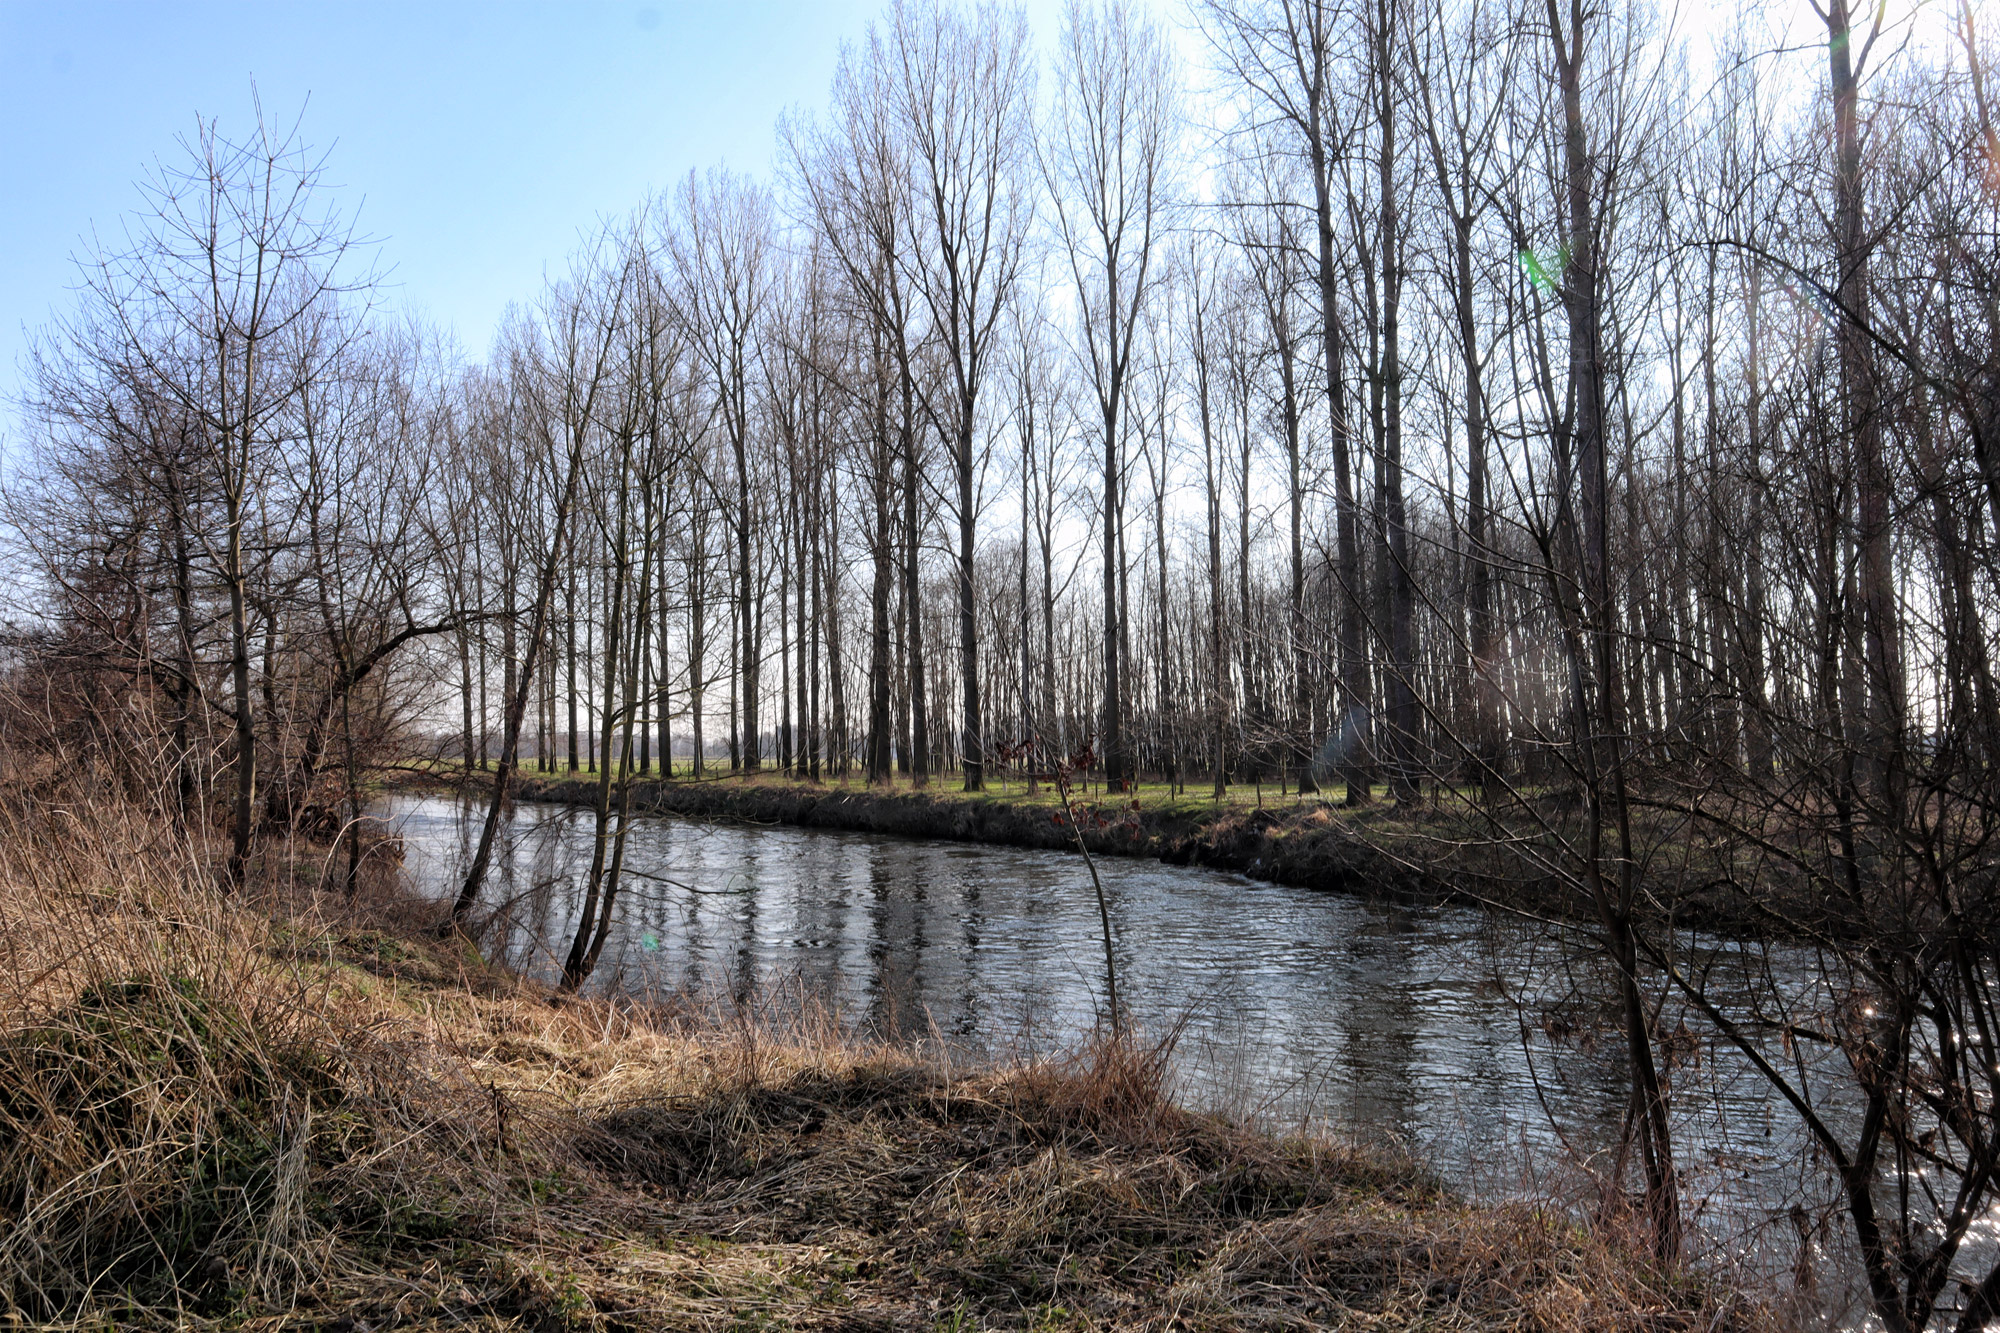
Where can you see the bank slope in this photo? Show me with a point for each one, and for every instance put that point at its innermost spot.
(285, 1109)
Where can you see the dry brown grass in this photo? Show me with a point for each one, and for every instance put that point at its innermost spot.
(294, 1111)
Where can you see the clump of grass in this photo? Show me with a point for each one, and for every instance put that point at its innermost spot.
(155, 1132)
(293, 1109)
(206, 1103)
(1063, 1194)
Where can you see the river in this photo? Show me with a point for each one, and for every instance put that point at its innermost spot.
(1481, 1045)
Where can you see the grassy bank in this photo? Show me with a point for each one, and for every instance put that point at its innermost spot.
(1440, 850)
(1305, 842)
(284, 1109)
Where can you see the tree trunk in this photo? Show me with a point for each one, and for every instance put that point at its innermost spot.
(1599, 729)
(913, 630)
(1861, 395)
(1400, 599)
(972, 750)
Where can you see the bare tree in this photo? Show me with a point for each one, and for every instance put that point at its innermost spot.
(963, 89)
(1109, 158)
(1283, 54)
(720, 246)
(560, 368)
(211, 298)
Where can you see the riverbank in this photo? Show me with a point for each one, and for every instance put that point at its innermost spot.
(288, 1109)
(1425, 853)
(1303, 845)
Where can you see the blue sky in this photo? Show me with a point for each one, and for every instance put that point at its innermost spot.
(477, 140)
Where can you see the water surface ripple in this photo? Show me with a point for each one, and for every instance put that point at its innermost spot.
(1483, 1045)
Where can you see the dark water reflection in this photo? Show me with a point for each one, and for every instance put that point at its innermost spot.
(1429, 1027)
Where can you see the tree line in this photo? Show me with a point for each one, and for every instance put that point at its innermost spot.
(1502, 407)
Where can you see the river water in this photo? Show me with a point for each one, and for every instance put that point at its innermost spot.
(1485, 1047)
